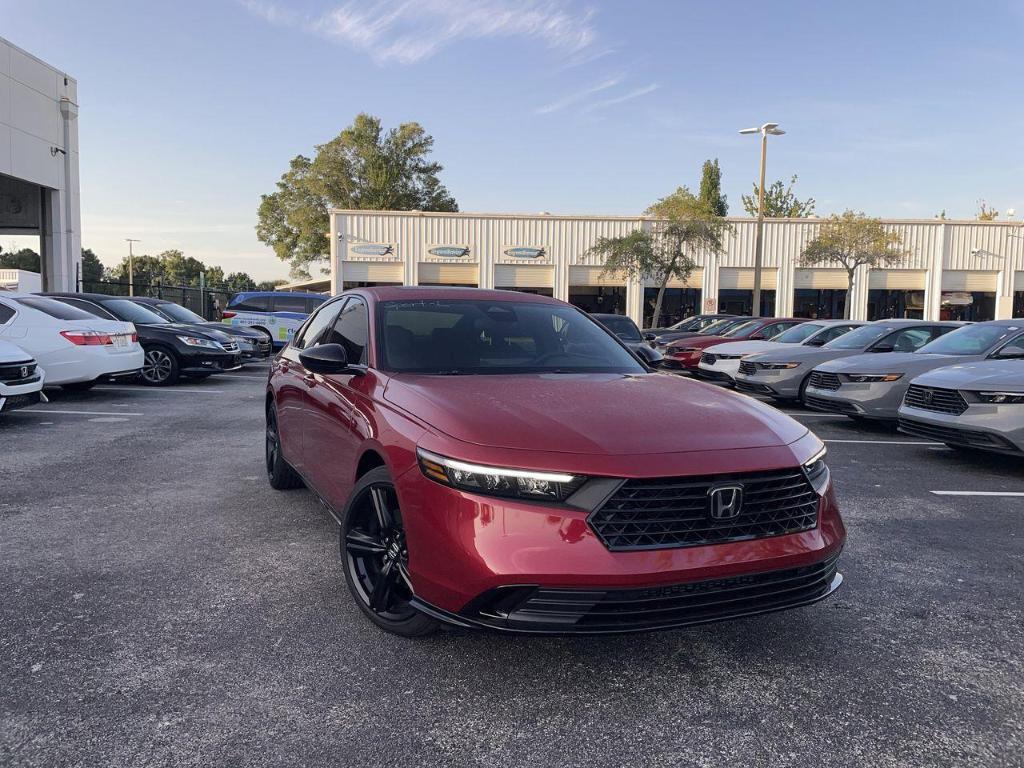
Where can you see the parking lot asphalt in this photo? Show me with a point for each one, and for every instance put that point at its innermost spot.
(163, 606)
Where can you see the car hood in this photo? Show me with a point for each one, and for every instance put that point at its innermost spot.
(990, 375)
(910, 363)
(610, 414)
(12, 353)
(229, 330)
(745, 347)
(697, 342)
(798, 353)
(191, 329)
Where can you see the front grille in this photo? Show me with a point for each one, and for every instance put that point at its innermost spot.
(823, 380)
(230, 346)
(12, 373)
(748, 368)
(956, 436)
(547, 609)
(824, 404)
(659, 513)
(935, 399)
(708, 359)
(19, 401)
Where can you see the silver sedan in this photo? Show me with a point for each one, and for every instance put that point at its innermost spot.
(873, 386)
(783, 374)
(977, 405)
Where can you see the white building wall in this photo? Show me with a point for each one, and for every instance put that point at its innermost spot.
(39, 145)
(941, 255)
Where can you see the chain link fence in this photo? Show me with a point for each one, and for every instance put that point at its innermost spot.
(208, 302)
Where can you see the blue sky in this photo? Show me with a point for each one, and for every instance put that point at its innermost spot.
(191, 110)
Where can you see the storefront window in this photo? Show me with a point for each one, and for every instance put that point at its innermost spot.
(677, 304)
(735, 301)
(972, 306)
(598, 298)
(819, 304)
(885, 304)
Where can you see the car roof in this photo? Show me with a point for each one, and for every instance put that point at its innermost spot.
(301, 294)
(611, 315)
(94, 297)
(901, 321)
(149, 300)
(420, 292)
(829, 323)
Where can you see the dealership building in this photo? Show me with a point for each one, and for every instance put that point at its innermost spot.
(39, 162)
(967, 270)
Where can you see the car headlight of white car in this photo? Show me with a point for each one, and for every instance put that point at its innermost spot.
(871, 378)
(195, 341)
(1000, 398)
(778, 366)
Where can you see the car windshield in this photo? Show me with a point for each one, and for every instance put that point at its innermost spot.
(495, 337)
(718, 326)
(56, 309)
(175, 312)
(622, 327)
(971, 340)
(859, 338)
(798, 333)
(739, 330)
(135, 313)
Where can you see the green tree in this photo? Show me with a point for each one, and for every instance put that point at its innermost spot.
(365, 168)
(853, 240)
(25, 258)
(92, 270)
(269, 285)
(239, 281)
(684, 225)
(711, 188)
(779, 202)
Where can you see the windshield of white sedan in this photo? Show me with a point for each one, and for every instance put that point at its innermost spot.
(859, 338)
(493, 337)
(798, 333)
(970, 340)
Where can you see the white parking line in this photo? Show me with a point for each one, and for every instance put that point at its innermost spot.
(978, 493)
(161, 390)
(882, 442)
(80, 413)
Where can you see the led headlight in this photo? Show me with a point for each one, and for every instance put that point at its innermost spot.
(778, 366)
(1000, 398)
(817, 471)
(498, 481)
(870, 378)
(194, 341)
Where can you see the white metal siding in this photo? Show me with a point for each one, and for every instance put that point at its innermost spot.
(523, 276)
(444, 273)
(373, 272)
(730, 277)
(960, 280)
(820, 279)
(897, 279)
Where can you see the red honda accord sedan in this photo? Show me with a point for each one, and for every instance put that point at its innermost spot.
(487, 458)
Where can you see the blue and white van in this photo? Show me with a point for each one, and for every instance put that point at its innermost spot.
(276, 313)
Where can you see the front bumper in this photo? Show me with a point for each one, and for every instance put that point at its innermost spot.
(783, 384)
(529, 567)
(723, 371)
(874, 400)
(988, 428)
(195, 360)
(11, 402)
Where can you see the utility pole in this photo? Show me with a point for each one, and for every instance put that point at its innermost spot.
(766, 130)
(131, 265)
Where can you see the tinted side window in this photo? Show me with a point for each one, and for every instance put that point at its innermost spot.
(312, 304)
(775, 329)
(6, 313)
(351, 330)
(286, 303)
(314, 328)
(834, 333)
(253, 304)
(907, 339)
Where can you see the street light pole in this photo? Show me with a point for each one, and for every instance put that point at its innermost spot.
(765, 130)
(131, 263)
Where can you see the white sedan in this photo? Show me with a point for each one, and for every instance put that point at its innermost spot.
(74, 349)
(21, 380)
(721, 362)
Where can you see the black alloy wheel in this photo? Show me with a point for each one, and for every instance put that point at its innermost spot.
(159, 367)
(375, 555)
(279, 472)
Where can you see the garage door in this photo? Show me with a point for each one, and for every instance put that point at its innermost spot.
(820, 279)
(962, 280)
(733, 277)
(369, 272)
(593, 276)
(521, 276)
(448, 274)
(897, 279)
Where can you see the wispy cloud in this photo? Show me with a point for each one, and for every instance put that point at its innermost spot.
(575, 98)
(409, 31)
(634, 94)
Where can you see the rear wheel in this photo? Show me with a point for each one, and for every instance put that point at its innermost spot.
(279, 472)
(78, 386)
(159, 368)
(375, 556)
(803, 389)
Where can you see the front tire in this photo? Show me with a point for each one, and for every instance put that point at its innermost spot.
(160, 368)
(375, 557)
(279, 472)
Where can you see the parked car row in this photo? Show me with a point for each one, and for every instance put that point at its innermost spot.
(957, 383)
(75, 340)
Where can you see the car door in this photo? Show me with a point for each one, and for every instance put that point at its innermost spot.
(293, 384)
(336, 426)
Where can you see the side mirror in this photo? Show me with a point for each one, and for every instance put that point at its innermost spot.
(650, 356)
(326, 359)
(882, 348)
(1009, 353)
(815, 343)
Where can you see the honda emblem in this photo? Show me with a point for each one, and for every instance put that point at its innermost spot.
(725, 501)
